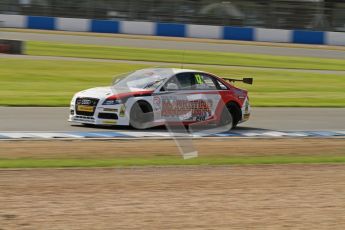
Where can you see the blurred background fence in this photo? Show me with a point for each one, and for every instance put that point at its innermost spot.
(284, 14)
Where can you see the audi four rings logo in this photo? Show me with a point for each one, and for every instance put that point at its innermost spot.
(85, 102)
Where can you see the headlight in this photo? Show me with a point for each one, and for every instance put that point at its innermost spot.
(111, 102)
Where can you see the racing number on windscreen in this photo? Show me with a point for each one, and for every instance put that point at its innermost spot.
(204, 82)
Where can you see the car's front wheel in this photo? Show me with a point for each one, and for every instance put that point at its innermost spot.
(141, 115)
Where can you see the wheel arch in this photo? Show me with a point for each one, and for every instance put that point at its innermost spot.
(141, 114)
(235, 110)
(144, 105)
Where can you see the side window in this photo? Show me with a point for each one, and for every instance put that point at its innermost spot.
(192, 81)
(185, 80)
(222, 86)
(181, 81)
(204, 82)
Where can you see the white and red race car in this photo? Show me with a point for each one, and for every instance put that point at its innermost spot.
(157, 96)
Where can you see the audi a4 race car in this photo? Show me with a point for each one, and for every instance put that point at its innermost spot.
(163, 96)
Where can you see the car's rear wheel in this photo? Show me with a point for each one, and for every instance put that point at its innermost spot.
(230, 116)
(226, 119)
(141, 115)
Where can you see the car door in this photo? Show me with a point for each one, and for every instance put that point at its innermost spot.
(187, 97)
(207, 89)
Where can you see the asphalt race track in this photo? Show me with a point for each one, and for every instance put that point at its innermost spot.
(282, 119)
(131, 41)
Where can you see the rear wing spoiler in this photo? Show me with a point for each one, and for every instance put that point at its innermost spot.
(246, 80)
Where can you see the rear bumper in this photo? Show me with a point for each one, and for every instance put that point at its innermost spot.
(245, 110)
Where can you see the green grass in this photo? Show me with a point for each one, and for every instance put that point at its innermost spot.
(53, 83)
(167, 161)
(176, 56)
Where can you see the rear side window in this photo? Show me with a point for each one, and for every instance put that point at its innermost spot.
(194, 81)
(204, 82)
(221, 85)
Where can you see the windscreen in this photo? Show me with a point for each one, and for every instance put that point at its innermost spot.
(146, 79)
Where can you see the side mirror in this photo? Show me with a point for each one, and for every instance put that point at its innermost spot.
(171, 87)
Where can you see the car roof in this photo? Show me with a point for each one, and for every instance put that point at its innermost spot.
(185, 70)
(167, 71)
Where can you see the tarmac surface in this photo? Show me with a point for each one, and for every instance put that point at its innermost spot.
(178, 44)
(282, 119)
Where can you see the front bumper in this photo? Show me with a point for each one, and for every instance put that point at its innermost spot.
(103, 115)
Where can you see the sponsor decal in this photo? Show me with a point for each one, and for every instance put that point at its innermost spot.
(85, 108)
(110, 110)
(156, 103)
(189, 110)
(239, 94)
(122, 111)
(198, 79)
(246, 116)
(109, 122)
(246, 109)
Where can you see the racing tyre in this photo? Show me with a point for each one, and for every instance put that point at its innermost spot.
(141, 115)
(231, 115)
(226, 119)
